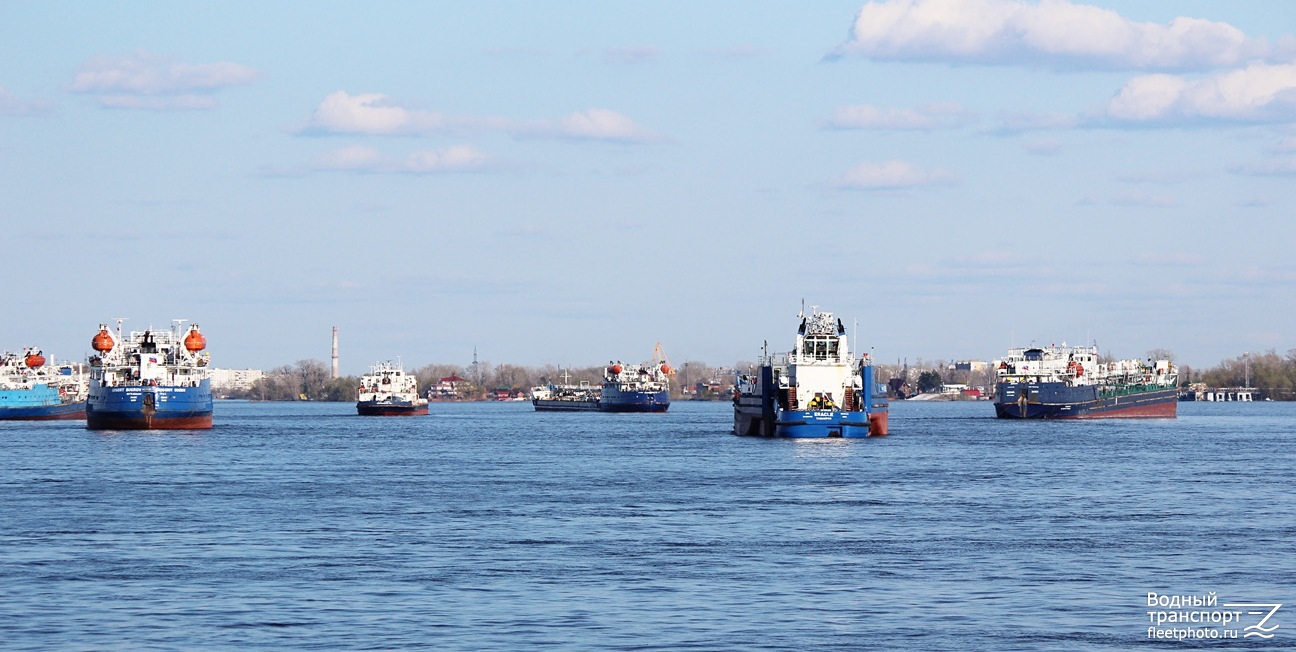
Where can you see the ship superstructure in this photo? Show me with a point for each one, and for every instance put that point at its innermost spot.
(35, 389)
(150, 379)
(1070, 382)
(566, 396)
(388, 391)
(819, 389)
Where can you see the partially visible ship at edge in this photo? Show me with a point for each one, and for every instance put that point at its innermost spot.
(34, 389)
(1061, 382)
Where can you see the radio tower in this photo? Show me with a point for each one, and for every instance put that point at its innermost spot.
(335, 369)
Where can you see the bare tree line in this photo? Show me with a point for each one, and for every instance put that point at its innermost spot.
(308, 380)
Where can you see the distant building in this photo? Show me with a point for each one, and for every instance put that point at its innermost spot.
(970, 365)
(230, 380)
(899, 388)
(446, 390)
(1200, 392)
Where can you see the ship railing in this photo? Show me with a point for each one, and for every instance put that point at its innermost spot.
(1111, 391)
(135, 382)
(804, 358)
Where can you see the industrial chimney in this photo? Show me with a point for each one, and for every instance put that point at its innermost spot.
(335, 369)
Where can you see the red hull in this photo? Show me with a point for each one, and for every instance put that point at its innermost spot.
(58, 417)
(66, 416)
(391, 411)
(878, 424)
(1064, 402)
(1166, 410)
(100, 422)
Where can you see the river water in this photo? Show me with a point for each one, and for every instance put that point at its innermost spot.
(490, 526)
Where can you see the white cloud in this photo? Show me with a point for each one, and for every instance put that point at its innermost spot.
(594, 124)
(348, 158)
(11, 105)
(890, 175)
(937, 115)
(1054, 32)
(137, 81)
(358, 158)
(451, 159)
(1256, 93)
(375, 114)
(371, 114)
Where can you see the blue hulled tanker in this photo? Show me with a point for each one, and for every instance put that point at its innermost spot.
(149, 380)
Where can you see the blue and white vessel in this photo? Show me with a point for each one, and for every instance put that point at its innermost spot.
(637, 387)
(33, 390)
(819, 389)
(149, 380)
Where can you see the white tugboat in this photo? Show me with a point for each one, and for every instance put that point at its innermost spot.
(387, 391)
(820, 389)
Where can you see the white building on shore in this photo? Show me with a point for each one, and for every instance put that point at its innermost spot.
(229, 380)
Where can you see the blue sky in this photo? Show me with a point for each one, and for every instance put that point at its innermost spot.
(572, 182)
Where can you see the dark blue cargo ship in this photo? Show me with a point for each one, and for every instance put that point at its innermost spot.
(636, 388)
(1071, 383)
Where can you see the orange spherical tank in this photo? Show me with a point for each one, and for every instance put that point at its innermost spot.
(615, 369)
(195, 341)
(103, 342)
(35, 360)
(666, 368)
